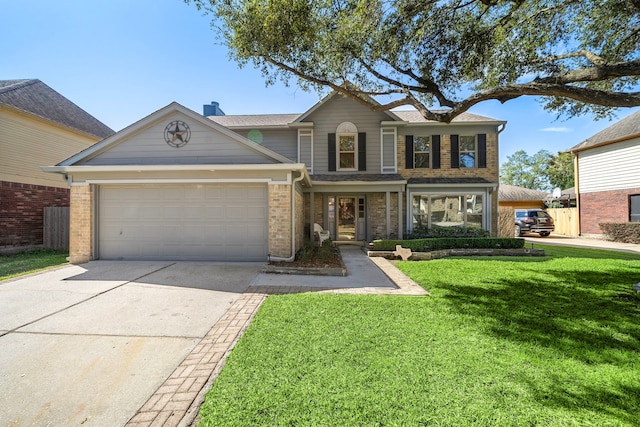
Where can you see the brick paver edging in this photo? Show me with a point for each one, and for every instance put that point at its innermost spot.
(177, 402)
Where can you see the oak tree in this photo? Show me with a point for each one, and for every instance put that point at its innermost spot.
(443, 56)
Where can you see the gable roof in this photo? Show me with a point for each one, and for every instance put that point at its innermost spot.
(626, 128)
(414, 116)
(118, 137)
(514, 193)
(36, 98)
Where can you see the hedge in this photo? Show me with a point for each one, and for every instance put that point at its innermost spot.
(426, 245)
(623, 232)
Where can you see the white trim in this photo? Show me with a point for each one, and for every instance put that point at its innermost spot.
(182, 181)
(167, 168)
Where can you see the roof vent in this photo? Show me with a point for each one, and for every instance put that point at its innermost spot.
(212, 110)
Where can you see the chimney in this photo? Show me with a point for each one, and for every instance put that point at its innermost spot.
(212, 110)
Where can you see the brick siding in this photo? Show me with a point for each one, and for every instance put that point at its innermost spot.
(81, 225)
(604, 206)
(280, 220)
(22, 211)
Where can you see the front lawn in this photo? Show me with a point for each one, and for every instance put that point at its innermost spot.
(29, 262)
(550, 341)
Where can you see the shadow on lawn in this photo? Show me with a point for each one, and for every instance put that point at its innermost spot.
(592, 317)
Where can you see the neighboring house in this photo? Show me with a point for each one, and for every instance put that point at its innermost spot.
(608, 175)
(178, 185)
(516, 197)
(38, 126)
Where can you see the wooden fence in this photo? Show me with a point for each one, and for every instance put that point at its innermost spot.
(566, 221)
(56, 228)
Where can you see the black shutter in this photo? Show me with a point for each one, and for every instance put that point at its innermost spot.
(362, 151)
(435, 151)
(332, 151)
(455, 152)
(482, 150)
(408, 151)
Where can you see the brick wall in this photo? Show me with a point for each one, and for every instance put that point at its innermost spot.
(81, 225)
(378, 215)
(280, 220)
(604, 206)
(22, 211)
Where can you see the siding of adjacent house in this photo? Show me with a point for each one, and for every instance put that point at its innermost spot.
(28, 142)
(326, 119)
(609, 167)
(148, 147)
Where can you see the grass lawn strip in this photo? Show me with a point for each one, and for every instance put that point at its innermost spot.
(30, 262)
(510, 342)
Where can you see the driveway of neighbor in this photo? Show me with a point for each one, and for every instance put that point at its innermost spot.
(88, 345)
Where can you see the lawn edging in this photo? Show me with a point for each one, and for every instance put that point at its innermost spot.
(444, 253)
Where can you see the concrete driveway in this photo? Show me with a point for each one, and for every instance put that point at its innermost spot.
(88, 345)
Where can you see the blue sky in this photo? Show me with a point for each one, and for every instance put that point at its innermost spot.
(121, 60)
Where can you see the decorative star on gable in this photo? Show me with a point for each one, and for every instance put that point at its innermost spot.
(177, 133)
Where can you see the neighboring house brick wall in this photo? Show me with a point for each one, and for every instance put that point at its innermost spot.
(279, 230)
(80, 224)
(604, 206)
(22, 211)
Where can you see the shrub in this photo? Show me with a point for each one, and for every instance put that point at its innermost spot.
(624, 232)
(455, 231)
(434, 244)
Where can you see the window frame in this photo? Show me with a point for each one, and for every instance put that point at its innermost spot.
(429, 152)
(339, 151)
(393, 133)
(631, 212)
(461, 152)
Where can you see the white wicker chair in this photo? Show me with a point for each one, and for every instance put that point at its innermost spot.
(322, 233)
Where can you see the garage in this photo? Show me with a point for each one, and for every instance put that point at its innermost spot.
(215, 222)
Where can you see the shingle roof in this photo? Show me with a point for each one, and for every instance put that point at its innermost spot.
(626, 127)
(371, 177)
(416, 117)
(255, 120)
(282, 120)
(514, 193)
(463, 180)
(35, 97)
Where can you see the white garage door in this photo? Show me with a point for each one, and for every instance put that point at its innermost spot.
(221, 222)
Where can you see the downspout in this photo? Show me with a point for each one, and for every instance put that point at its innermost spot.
(293, 222)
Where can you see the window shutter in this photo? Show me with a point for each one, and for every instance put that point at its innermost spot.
(408, 151)
(435, 151)
(332, 152)
(362, 151)
(482, 150)
(455, 152)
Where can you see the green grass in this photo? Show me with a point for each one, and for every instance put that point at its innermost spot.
(30, 262)
(550, 341)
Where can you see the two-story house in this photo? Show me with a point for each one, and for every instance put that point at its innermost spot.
(37, 126)
(179, 185)
(607, 176)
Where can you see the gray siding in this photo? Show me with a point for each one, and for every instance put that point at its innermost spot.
(282, 141)
(327, 118)
(206, 146)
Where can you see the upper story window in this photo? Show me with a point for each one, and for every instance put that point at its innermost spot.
(388, 150)
(305, 148)
(347, 146)
(347, 151)
(468, 151)
(421, 151)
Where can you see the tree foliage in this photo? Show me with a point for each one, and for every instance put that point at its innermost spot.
(579, 56)
(542, 171)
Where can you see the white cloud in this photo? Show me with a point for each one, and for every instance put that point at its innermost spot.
(556, 129)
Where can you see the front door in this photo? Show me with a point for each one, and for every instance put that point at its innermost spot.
(347, 218)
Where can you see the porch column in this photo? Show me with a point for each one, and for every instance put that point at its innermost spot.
(400, 232)
(312, 214)
(388, 201)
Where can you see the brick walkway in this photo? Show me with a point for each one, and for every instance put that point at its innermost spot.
(178, 400)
